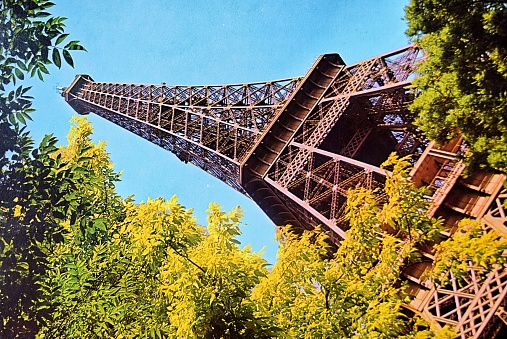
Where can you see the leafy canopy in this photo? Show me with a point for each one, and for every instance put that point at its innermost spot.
(35, 186)
(463, 78)
(356, 293)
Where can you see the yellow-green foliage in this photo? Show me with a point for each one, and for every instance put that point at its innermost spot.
(470, 245)
(355, 293)
(128, 270)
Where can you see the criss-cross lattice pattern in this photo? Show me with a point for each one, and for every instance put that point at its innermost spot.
(211, 126)
(471, 306)
(323, 182)
(332, 151)
(374, 78)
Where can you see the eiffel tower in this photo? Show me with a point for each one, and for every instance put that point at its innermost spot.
(295, 146)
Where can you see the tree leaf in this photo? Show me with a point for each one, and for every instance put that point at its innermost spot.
(74, 46)
(68, 57)
(19, 73)
(56, 58)
(21, 65)
(43, 68)
(20, 118)
(61, 38)
(42, 14)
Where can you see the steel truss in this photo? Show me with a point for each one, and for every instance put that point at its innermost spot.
(330, 152)
(212, 127)
(279, 130)
(474, 305)
(296, 146)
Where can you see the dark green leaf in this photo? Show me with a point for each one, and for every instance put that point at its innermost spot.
(26, 89)
(68, 58)
(47, 5)
(19, 73)
(21, 65)
(12, 119)
(82, 159)
(61, 38)
(59, 215)
(42, 14)
(43, 68)
(56, 58)
(25, 115)
(20, 118)
(259, 273)
(74, 46)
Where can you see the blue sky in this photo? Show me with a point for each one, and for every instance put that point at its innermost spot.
(197, 43)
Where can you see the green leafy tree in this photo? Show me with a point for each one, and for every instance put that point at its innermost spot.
(34, 186)
(30, 40)
(357, 292)
(155, 273)
(294, 295)
(209, 288)
(463, 78)
(125, 270)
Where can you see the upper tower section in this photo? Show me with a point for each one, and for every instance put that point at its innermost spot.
(71, 93)
(214, 127)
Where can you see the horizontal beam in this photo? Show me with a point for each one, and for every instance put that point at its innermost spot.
(370, 92)
(331, 225)
(338, 157)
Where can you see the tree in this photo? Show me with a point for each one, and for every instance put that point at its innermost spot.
(143, 270)
(33, 184)
(294, 295)
(472, 244)
(462, 81)
(356, 293)
(153, 272)
(28, 36)
(210, 289)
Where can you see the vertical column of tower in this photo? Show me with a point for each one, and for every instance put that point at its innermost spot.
(275, 139)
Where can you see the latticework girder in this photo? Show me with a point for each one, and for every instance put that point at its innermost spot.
(473, 304)
(323, 182)
(365, 107)
(362, 79)
(220, 122)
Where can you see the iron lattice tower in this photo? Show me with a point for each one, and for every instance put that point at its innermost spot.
(295, 146)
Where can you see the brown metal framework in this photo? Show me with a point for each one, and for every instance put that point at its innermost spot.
(295, 146)
(212, 127)
(474, 305)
